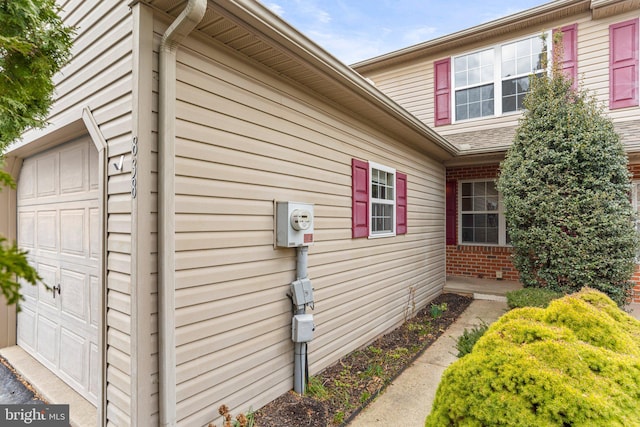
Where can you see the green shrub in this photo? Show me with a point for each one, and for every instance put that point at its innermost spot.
(576, 363)
(565, 187)
(531, 297)
(469, 337)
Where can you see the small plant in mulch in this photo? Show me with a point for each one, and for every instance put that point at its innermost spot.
(241, 420)
(344, 388)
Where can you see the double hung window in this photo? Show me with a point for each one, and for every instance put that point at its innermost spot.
(519, 60)
(494, 81)
(379, 200)
(383, 199)
(481, 217)
(474, 94)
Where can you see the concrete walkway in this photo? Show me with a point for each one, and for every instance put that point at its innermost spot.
(408, 400)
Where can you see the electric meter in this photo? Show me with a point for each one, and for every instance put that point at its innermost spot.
(294, 224)
(300, 219)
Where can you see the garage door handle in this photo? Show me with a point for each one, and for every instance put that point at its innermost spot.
(56, 289)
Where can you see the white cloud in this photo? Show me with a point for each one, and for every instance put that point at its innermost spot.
(418, 35)
(275, 8)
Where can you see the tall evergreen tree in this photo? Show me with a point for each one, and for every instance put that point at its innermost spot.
(566, 193)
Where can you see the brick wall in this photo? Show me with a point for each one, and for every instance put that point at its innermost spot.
(485, 261)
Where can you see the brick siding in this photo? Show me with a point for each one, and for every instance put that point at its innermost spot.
(485, 261)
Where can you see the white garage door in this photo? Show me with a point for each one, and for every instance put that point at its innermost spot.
(58, 223)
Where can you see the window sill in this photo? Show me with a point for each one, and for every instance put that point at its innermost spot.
(380, 236)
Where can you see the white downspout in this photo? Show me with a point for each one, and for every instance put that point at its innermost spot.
(175, 34)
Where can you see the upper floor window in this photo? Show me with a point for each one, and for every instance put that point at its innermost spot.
(519, 60)
(474, 85)
(494, 81)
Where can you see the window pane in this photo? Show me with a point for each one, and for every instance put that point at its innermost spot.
(492, 235)
(491, 188)
(461, 78)
(479, 188)
(467, 189)
(486, 74)
(474, 94)
(467, 220)
(480, 235)
(492, 203)
(524, 65)
(509, 103)
(508, 51)
(381, 218)
(486, 57)
(487, 108)
(473, 60)
(467, 204)
(461, 112)
(460, 63)
(474, 110)
(508, 68)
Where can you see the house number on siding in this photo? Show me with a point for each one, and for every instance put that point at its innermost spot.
(134, 166)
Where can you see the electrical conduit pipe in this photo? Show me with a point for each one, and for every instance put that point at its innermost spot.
(184, 24)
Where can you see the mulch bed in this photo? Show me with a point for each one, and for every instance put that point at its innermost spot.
(343, 389)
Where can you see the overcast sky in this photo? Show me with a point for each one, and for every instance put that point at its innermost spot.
(354, 30)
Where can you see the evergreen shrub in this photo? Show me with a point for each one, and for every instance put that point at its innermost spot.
(531, 297)
(565, 187)
(576, 363)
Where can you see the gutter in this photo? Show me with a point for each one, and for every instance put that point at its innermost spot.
(474, 33)
(174, 35)
(280, 34)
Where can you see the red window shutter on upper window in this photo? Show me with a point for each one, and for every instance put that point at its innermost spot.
(359, 198)
(623, 64)
(442, 91)
(401, 203)
(451, 199)
(570, 52)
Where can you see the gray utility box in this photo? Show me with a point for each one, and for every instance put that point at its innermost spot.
(294, 224)
(302, 328)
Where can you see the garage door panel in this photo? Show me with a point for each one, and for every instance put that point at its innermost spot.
(94, 366)
(27, 321)
(49, 275)
(47, 230)
(27, 188)
(73, 170)
(96, 296)
(47, 338)
(73, 223)
(73, 296)
(27, 231)
(72, 359)
(59, 223)
(94, 234)
(46, 176)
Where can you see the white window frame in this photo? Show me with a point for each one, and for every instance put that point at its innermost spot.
(497, 78)
(372, 201)
(502, 223)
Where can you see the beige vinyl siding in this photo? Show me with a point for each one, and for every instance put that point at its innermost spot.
(411, 84)
(244, 139)
(99, 77)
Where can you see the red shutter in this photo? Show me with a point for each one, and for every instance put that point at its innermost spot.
(401, 203)
(623, 64)
(451, 199)
(442, 91)
(359, 198)
(569, 59)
